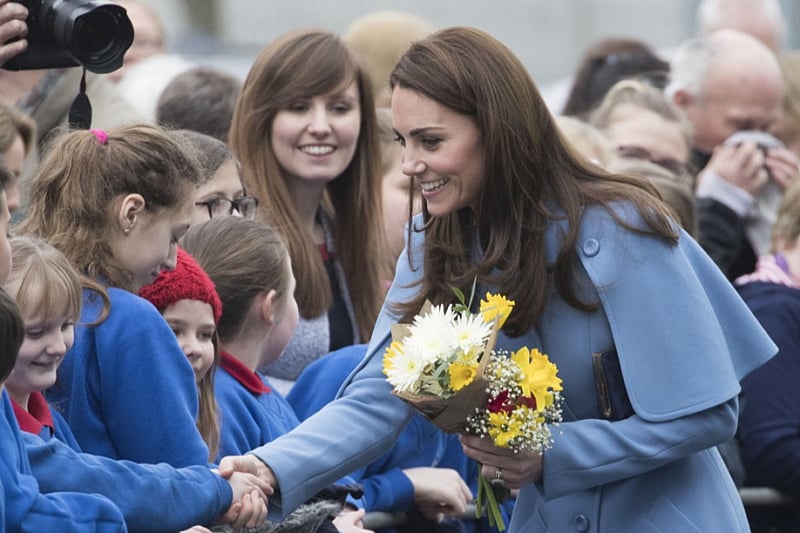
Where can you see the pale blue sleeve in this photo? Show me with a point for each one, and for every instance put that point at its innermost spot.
(350, 432)
(592, 452)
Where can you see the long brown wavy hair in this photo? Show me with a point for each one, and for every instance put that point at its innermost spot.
(532, 179)
(304, 64)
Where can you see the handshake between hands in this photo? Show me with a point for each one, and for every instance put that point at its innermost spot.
(264, 482)
(248, 507)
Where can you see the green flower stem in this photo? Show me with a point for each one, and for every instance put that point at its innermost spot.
(492, 495)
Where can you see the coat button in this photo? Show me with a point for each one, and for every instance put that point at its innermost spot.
(581, 523)
(591, 247)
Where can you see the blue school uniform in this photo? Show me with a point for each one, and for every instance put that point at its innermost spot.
(26, 509)
(187, 496)
(250, 411)
(41, 420)
(126, 388)
(684, 340)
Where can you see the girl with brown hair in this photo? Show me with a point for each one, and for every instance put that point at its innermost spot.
(305, 132)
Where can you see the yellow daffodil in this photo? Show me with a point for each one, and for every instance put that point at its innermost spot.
(503, 428)
(496, 306)
(539, 376)
(461, 375)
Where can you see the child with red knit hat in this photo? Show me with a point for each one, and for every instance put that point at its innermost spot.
(188, 301)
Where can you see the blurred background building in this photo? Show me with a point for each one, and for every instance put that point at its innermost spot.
(549, 36)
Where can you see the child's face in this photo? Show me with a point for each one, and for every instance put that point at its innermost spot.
(286, 318)
(226, 183)
(192, 321)
(151, 245)
(47, 340)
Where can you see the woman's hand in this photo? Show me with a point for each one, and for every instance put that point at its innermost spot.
(516, 469)
(249, 464)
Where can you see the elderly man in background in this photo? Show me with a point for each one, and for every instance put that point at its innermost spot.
(730, 83)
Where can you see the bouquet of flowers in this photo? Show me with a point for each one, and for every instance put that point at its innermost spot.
(446, 366)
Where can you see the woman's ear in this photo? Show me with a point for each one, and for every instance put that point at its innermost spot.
(131, 207)
(268, 307)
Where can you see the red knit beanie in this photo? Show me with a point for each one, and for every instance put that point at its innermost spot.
(187, 282)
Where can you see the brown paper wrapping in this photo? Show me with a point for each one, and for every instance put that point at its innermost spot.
(450, 414)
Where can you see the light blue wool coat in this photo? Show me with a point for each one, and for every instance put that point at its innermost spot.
(684, 338)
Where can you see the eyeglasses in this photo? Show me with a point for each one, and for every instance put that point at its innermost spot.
(246, 206)
(675, 166)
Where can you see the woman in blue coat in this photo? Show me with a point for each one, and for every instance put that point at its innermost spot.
(596, 264)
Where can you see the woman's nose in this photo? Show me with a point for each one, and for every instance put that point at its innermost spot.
(410, 165)
(319, 123)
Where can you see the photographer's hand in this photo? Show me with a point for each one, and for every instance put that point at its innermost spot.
(13, 29)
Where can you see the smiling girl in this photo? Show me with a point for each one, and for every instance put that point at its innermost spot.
(116, 204)
(305, 132)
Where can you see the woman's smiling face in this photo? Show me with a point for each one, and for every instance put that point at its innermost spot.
(442, 150)
(315, 138)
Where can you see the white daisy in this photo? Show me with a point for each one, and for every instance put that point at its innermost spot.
(470, 334)
(405, 371)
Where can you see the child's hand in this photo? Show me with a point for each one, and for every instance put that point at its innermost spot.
(350, 521)
(249, 504)
(439, 491)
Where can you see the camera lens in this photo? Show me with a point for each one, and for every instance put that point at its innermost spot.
(100, 39)
(67, 33)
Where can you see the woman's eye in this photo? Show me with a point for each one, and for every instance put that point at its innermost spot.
(399, 139)
(341, 108)
(430, 142)
(297, 107)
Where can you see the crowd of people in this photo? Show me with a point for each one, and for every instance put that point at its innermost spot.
(198, 289)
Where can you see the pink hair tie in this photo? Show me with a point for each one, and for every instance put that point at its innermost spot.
(100, 135)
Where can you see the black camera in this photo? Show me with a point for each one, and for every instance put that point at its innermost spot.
(67, 33)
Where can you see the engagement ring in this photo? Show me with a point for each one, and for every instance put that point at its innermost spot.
(498, 480)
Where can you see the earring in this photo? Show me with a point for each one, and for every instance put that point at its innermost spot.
(126, 230)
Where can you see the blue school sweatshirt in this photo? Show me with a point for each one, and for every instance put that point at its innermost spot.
(186, 496)
(251, 413)
(25, 509)
(126, 388)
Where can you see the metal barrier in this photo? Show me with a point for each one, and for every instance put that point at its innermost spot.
(765, 497)
(752, 497)
(379, 520)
